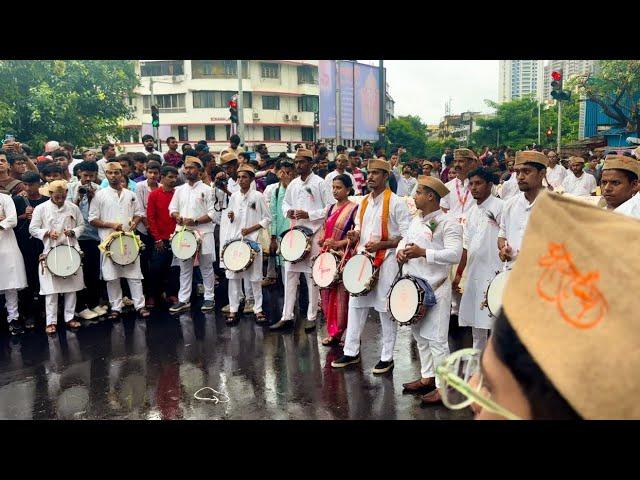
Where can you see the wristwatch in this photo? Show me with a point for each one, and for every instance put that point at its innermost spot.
(196, 222)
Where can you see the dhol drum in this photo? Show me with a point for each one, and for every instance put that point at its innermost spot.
(123, 249)
(185, 244)
(238, 255)
(296, 244)
(325, 270)
(63, 261)
(360, 275)
(493, 299)
(406, 301)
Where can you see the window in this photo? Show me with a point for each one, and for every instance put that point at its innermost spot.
(271, 133)
(165, 103)
(269, 70)
(307, 134)
(183, 133)
(270, 103)
(218, 68)
(218, 99)
(307, 74)
(209, 132)
(308, 103)
(135, 135)
(228, 131)
(155, 69)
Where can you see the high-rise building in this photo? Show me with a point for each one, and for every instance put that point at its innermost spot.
(520, 78)
(570, 68)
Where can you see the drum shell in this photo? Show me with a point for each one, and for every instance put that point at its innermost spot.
(501, 277)
(421, 309)
(63, 247)
(372, 281)
(252, 255)
(308, 233)
(338, 275)
(116, 239)
(198, 238)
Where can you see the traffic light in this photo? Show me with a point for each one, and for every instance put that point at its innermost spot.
(316, 118)
(233, 110)
(155, 116)
(556, 86)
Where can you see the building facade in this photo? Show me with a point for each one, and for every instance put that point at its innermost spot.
(519, 79)
(459, 127)
(280, 99)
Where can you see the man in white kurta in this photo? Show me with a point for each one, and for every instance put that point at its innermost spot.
(304, 203)
(556, 173)
(510, 187)
(143, 189)
(530, 167)
(58, 222)
(342, 161)
(432, 244)
(578, 182)
(619, 184)
(248, 214)
(192, 206)
(13, 276)
(115, 208)
(368, 235)
(480, 258)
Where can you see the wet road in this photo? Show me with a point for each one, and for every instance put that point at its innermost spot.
(150, 369)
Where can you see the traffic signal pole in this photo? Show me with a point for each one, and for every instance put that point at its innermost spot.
(240, 106)
(153, 102)
(559, 124)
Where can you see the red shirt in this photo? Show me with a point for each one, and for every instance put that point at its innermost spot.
(173, 158)
(161, 224)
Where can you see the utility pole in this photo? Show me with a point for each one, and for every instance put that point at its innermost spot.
(559, 124)
(383, 88)
(338, 106)
(153, 102)
(539, 141)
(240, 106)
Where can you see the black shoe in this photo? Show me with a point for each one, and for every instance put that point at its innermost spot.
(383, 367)
(345, 361)
(15, 327)
(180, 307)
(281, 325)
(30, 323)
(309, 326)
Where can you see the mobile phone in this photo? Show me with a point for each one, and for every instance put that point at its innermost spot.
(9, 138)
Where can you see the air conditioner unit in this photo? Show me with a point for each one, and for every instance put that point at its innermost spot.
(286, 117)
(295, 118)
(256, 116)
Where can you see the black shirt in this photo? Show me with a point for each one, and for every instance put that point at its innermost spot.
(22, 228)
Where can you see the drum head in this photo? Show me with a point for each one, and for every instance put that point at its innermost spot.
(63, 261)
(293, 245)
(324, 269)
(184, 245)
(236, 255)
(124, 250)
(404, 300)
(357, 273)
(494, 293)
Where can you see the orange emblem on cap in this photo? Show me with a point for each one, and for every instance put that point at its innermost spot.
(578, 300)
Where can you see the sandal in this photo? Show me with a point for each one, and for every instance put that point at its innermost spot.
(73, 324)
(51, 329)
(261, 318)
(232, 318)
(143, 312)
(113, 315)
(330, 341)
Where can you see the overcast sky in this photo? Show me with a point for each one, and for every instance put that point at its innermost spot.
(422, 87)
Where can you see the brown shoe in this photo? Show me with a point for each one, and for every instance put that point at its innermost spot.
(422, 385)
(432, 398)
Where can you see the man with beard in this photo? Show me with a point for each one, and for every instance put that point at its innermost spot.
(172, 156)
(619, 184)
(108, 152)
(150, 145)
(530, 169)
(342, 161)
(556, 173)
(578, 182)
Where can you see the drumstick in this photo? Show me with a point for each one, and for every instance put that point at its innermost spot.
(55, 257)
(69, 246)
(293, 224)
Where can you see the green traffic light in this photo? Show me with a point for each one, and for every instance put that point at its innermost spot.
(155, 123)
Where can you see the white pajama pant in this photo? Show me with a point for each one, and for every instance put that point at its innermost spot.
(11, 300)
(290, 294)
(235, 294)
(432, 353)
(479, 336)
(186, 278)
(355, 324)
(247, 289)
(114, 291)
(51, 304)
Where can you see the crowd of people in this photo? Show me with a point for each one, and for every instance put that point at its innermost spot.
(79, 226)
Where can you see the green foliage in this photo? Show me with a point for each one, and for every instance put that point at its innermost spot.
(80, 101)
(515, 124)
(436, 147)
(410, 132)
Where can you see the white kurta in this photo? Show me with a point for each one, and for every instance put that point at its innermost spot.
(48, 216)
(515, 216)
(142, 195)
(480, 241)
(311, 197)
(371, 230)
(443, 249)
(458, 201)
(108, 206)
(556, 175)
(631, 207)
(582, 186)
(194, 202)
(510, 188)
(328, 183)
(249, 210)
(12, 272)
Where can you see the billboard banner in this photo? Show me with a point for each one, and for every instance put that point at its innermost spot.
(346, 99)
(367, 102)
(327, 84)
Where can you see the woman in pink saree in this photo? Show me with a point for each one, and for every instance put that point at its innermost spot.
(340, 219)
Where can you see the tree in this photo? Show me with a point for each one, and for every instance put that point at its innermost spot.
(615, 87)
(410, 132)
(435, 148)
(80, 101)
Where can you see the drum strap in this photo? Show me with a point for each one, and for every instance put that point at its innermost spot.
(386, 201)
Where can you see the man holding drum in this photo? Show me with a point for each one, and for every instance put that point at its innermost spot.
(304, 203)
(432, 244)
(59, 223)
(619, 184)
(247, 213)
(115, 209)
(192, 206)
(381, 221)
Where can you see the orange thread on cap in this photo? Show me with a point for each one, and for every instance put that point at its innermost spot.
(578, 300)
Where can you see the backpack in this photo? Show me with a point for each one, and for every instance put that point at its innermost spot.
(8, 189)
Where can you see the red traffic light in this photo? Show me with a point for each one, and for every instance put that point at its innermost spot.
(557, 76)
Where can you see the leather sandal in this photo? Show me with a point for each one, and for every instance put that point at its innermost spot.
(330, 341)
(113, 315)
(261, 318)
(73, 324)
(51, 329)
(144, 313)
(232, 318)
